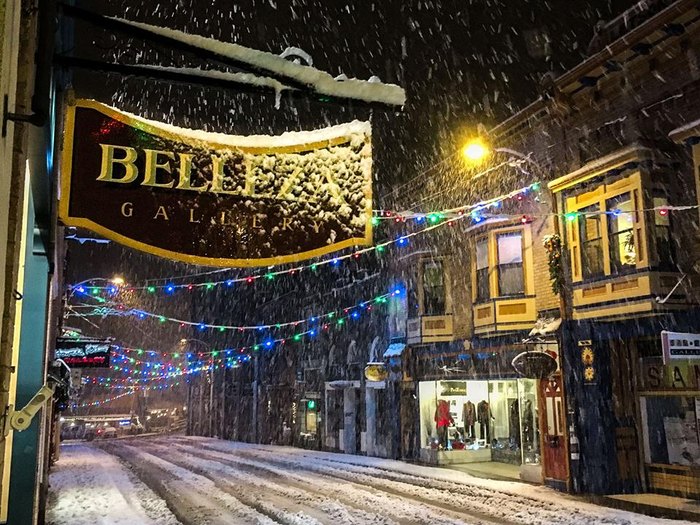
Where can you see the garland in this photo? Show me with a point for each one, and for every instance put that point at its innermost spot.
(552, 245)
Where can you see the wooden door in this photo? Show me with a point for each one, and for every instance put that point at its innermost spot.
(553, 429)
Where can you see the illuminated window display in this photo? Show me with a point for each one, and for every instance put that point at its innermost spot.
(475, 415)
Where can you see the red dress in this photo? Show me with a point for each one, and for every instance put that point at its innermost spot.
(442, 414)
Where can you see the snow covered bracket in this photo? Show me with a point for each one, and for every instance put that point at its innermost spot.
(216, 199)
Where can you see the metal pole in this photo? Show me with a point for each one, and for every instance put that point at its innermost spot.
(211, 401)
(256, 372)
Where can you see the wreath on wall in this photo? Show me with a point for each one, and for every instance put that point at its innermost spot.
(552, 244)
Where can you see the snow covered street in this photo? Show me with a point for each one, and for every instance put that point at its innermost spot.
(200, 480)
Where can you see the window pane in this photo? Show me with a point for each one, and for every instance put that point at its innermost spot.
(662, 232)
(482, 285)
(433, 288)
(510, 248)
(510, 279)
(482, 254)
(591, 242)
(510, 264)
(623, 253)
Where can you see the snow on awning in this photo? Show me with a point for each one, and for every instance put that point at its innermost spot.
(546, 326)
(321, 82)
(394, 350)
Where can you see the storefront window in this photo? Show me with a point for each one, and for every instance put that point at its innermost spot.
(671, 434)
(433, 288)
(623, 254)
(529, 421)
(479, 415)
(510, 264)
(591, 242)
(482, 270)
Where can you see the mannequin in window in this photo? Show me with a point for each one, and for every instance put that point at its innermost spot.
(514, 424)
(443, 419)
(484, 417)
(469, 418)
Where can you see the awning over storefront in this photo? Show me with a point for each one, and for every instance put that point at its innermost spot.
(545, 326)
(394, 350)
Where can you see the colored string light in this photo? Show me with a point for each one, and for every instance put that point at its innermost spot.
(434, 219)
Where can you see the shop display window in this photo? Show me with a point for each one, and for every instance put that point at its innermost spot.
(671, 433)
(471, 415)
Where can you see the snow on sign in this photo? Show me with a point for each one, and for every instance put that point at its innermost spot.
(679, 345)
(216, 199)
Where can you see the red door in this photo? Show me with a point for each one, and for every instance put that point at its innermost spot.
(552, 428)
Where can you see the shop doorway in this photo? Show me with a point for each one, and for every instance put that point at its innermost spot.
(554, 448)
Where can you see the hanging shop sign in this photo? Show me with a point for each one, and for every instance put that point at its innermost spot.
(376, 372)
(535, 364)
(84, 352)
(679, 345)
(215, 199)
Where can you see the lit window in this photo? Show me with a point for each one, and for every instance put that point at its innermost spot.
(623, 253)
(590, 233)
(510, 264)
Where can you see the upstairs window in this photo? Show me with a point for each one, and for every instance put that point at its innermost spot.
(511, 280)
(434, 296)
(482, 270)
(662, 235)
(623, 253)
(591, 235)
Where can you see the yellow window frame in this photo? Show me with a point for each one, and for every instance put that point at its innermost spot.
(492, 247)
(600, 195)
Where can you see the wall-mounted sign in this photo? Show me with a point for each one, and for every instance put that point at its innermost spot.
(83, 352)
(535, 365)
(679, 345)
(678, 376)
(215, 199)
(590, 374)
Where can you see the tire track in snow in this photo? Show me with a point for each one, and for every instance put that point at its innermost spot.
(387, 495)
(507, 507)
(286, 504)
(191, 497)
(355, 498)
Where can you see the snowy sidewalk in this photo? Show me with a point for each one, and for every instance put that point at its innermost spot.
(90, 487)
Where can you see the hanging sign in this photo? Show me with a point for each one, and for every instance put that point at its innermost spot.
(84, 352)
(679, 345)
(534, 364)
(215, 199)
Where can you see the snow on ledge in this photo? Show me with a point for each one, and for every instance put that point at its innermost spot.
(322, 82)
(288, 138)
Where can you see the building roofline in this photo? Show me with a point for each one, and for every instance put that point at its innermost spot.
(599, 59)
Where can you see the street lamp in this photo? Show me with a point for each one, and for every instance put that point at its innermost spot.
(477, 149)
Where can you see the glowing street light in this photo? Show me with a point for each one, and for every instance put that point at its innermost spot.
(475, 150)
(118, 280)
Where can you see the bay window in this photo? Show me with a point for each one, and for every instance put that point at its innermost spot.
(606, 230)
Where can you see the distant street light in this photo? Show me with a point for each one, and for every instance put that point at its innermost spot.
(118, 280)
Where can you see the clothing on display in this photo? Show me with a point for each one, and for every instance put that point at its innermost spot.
(469, 419)
(443, 419)
(528, 430)
(514, 423)
(484, 417)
